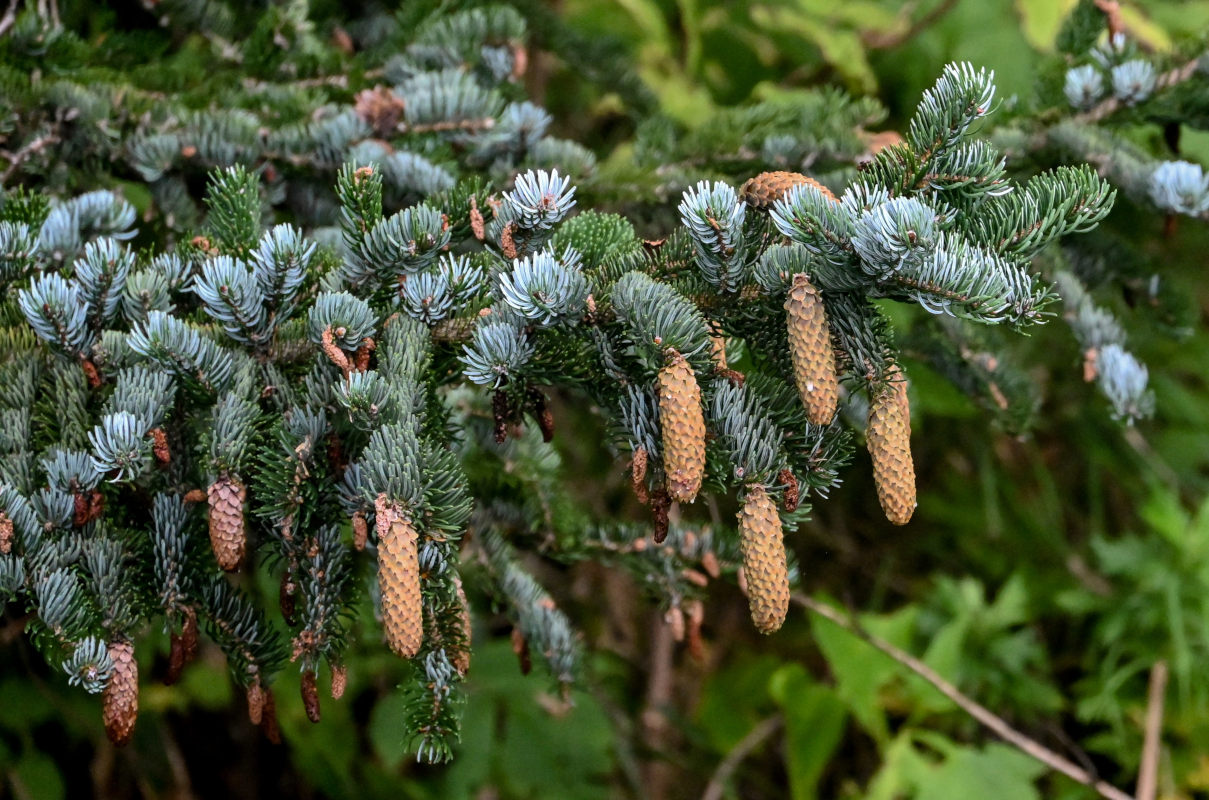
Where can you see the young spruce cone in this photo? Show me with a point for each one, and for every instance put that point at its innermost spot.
(764, 563)
(888, 438)
(810, 350)
(6, 534)
(769, 187)
(120, 702)
(399, 579)
(227, 534)
(683, 424)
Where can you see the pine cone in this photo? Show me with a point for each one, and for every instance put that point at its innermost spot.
(888, 438)
(399, 579)
(227, 535)
(120, 701)
(310, 695)
(339, 680)
(769, 187)
(810, 350)
(764, 564)
(683, 424)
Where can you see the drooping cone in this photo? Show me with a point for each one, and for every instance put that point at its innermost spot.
(764, 564)
(120, 701)
(888, 438)
(228, 537)
(461, 656)
(399, 579)
(769, 187)
(683, 424)
(810, 350)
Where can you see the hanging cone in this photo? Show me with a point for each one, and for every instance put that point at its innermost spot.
(461, 656)
(810, 350)
(120, 701)
(310, 695)
(888, 438)
(227, 535)
(683, 424)
(768, 187)
(764, 564)
(399, 579)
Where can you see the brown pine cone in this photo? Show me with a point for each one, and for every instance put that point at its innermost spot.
(227, 535)
(399, 579)
(461, 656)
(6, 534)
(764, 563)
(810, 350)
(768, 187)
(888, 438)
(120, 701)
(683, 425)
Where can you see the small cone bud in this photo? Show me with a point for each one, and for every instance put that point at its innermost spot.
(287, 598)
(6, 534)
(683, 424)
(520, 646)
(310, 695)
(183, 648)
(637, 476)
(268, 721)
(227, 535)
(256, 701)
(339, 680)
(159, 446)
(786, 478)
(660, 503)
(768, 187)
(888, 438)
(764, 564)
(360, 530)
(120, 701)
(461, 657)
(399, 579)
(810, 351)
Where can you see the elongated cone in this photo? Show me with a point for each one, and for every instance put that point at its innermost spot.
(768, 187)
(764, 563)
(120, 701)
(399, 579)
(888, 438)
(461, 656)
(228, 537)
(683, 424)
(810, 351)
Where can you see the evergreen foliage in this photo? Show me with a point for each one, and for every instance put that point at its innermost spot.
(351, 345)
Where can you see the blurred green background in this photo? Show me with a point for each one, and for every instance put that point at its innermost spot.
(1044, 575)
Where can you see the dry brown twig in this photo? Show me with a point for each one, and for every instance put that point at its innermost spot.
(746, 746)
(1148, 772)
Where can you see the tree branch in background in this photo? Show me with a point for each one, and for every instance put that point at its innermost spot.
(881, 40)
(983, 715)
(1148, 773)
(746, 746)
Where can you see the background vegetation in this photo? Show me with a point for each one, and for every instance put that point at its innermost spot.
(1045, 573)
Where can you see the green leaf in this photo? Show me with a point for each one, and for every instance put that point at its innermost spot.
(814, 724)
(388, 729)
(1040, 20)
(37, 778)
(860, 671)
(997, 771)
